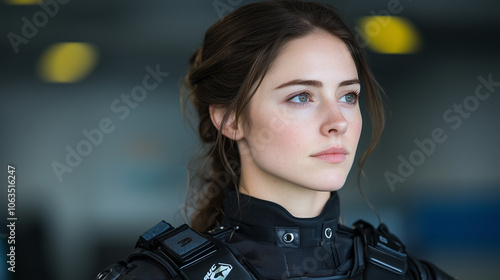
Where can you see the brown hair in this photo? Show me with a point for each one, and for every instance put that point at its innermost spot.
(237, 52)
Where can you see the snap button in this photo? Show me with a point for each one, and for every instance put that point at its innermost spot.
(288, 237)
(328, 233)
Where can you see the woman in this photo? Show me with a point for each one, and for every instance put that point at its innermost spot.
(276, 88)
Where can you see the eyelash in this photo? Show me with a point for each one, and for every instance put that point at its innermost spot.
(354, 93)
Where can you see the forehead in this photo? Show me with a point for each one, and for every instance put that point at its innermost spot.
(317, 56)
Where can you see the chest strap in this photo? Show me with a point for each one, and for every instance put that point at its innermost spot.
(187, 254)
(385, 256)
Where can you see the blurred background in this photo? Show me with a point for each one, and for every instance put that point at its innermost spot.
(91, 121)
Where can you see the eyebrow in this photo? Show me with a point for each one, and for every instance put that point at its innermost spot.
(315, 83)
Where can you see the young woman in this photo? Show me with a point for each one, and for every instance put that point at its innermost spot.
(276, 87)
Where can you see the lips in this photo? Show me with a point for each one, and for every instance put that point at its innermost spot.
(332, 155)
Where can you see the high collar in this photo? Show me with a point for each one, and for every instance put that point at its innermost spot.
(268, 222)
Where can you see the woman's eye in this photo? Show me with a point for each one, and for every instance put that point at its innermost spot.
(300, 98)
(351, 98)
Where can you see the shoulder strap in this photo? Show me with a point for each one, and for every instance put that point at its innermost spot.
(385, 255)
(188, 254)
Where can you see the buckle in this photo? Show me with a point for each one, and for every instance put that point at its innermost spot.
(148, 237)
(383, 249)
(186, 246)
(387, 254)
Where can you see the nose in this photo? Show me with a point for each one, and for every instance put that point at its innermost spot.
(333, 120)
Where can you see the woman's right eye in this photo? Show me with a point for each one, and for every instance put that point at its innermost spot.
(302, 97)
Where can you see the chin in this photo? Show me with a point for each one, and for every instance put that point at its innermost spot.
(334, 180)
(330, 184)
(329, 179)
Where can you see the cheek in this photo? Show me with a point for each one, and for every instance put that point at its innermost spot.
(275, 135)
(355, 126)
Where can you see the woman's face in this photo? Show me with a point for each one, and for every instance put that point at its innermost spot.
(304, 120)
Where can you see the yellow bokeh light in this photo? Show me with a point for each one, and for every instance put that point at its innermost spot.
(390, 34)
(22, 2)
(67, 62)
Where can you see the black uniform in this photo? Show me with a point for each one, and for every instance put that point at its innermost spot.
(261, 240)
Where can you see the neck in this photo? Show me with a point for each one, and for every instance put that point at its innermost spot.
(298, 201)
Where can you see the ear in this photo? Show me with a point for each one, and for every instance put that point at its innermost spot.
(231, 128)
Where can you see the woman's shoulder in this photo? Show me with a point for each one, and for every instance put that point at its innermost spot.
(385, 255)
(165, 252)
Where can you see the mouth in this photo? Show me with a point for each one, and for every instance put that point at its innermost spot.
(332, 155)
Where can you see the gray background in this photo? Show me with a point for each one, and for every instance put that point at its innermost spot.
(447, 210)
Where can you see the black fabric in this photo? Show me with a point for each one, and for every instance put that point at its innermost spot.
(272, 244)
(385, 255)
(257, 219)
(258, 225)
(142, 269)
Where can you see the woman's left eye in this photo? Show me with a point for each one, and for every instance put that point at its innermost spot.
(351, 98)
(301, 98)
